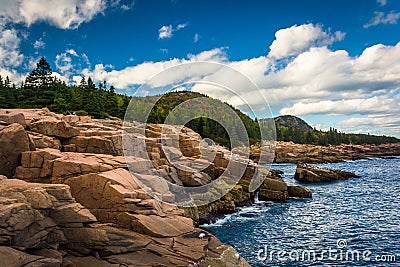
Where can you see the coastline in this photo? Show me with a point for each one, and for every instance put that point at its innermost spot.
(70, 171)
(289, 152)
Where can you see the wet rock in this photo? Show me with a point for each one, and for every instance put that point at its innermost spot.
(274, 189)
(299, 191)
(312, 174)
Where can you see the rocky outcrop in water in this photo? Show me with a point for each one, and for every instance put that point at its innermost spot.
(312, 174)
(299, 191)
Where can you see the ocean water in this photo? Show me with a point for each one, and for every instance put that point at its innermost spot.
(354, 222)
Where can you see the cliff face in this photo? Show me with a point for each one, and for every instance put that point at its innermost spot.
(69, 199)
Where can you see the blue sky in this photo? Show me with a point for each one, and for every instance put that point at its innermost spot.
(333, 63)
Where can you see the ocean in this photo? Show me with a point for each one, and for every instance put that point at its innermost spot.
(353, 222)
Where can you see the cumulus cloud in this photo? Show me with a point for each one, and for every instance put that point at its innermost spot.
(382, 18)
(315, 81)
(139, 74)
(383, 125)
(299, 38)
(318, 74)
(167, 31)
(70, 62)
(10, 55)
(64, 14)
(382, 104)
(9, 49)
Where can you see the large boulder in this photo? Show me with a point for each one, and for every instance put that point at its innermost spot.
(13, 117)
(13, 141)
(54, 127)
(157, 226)
(113, 196)
(14, 258)
(311, 174)
(56, 166)
(44, 141)
(274, 189)
(299, 191)
(40, 216)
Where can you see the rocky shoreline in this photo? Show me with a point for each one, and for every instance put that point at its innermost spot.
(68, 198)
(289, 152)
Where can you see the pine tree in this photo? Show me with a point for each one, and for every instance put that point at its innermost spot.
(41, 75)
(38, 85)
(111, 105)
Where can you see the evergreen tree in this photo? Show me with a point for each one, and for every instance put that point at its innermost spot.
(38, 85)
(40, 76)
(111, 104)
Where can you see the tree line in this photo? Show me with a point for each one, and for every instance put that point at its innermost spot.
(330, 137)
(42, 89)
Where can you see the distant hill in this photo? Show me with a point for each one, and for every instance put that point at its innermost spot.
(159, 107)
(292, 121)
(41, 89)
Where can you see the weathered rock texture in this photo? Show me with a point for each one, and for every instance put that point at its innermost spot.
(13, 141)
(73, 202)
(312, 174)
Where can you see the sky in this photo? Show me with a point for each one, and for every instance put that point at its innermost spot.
(333, 63)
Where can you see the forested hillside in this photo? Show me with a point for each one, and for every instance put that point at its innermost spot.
(41, 89)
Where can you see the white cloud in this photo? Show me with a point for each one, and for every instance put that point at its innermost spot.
(298, 39)
(64, 61)
(164, 50)
(64, 14)
(69, 63)
(138, 74)
(165, 32)
(312, 79)
(381, 2)
(383, 125)
(196, 38)
(10, 55)
(39, 44)
(381, 18)
(382, 104)
(317, 81)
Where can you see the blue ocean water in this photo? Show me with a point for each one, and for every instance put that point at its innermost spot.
(347, 223)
